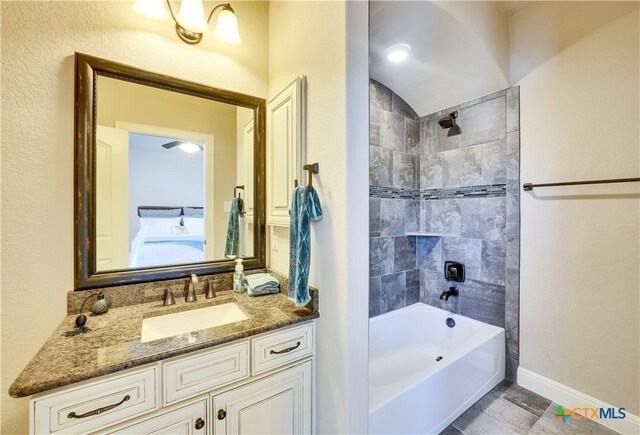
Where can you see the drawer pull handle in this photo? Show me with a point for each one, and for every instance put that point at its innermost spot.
(289, 349)
(222, 414)
(99, 410)
(199, 424)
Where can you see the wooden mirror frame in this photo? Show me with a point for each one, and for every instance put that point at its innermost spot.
(87, 69)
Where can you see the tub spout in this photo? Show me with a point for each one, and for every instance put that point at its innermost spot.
(451, 292)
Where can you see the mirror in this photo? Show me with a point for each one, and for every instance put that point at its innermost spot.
(169, 176)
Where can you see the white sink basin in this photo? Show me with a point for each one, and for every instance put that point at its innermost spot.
(169, 325)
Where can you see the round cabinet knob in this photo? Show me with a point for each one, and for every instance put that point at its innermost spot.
(199, 424)
(222, 414)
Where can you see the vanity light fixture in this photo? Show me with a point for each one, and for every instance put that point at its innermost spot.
(398, 53)
(190, 21)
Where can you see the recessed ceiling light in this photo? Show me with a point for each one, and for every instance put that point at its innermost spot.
(398, 52)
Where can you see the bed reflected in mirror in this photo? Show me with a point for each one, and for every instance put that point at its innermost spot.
(167, 170)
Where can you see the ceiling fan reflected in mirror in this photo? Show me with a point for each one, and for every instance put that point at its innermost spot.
(187, 147)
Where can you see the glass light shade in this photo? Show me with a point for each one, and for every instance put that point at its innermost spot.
(191, 16)
(189, 147)
(227, 27)
(151, 8)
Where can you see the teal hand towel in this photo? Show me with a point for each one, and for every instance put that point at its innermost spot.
(232, 246)
(261, 284)
(305, 208)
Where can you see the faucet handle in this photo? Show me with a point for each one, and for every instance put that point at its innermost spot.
(208, 290)
(168, 297)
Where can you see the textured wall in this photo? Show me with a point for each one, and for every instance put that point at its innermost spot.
(463, 187)
(38, 42)
(578, 65)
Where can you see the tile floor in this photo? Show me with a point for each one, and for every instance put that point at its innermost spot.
(511, 409)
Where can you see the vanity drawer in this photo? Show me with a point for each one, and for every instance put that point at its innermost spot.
(281, 347)
(202, 372)
(97, 404)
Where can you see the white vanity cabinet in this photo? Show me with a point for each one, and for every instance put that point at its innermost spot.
(261, 384)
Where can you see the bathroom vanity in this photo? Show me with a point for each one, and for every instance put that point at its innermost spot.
(250, 376)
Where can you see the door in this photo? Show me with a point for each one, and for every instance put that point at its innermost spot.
(277, 404)
(112, 198)
(285, 149)
(187, 420)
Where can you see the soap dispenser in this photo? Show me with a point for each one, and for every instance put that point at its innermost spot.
(238, 277)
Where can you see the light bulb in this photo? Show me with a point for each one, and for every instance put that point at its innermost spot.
(191, 16)
(151, 8)
(189, 147)
(398, 52)
(227, 27)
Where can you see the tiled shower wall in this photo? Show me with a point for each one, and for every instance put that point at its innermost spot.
(467, 191)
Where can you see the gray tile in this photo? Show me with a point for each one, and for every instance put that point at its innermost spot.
(380, 256)
(374, 296)
(399, 106)
(465, 251)
(412, 215)
(392, 289)
(511, 334)
(495, 415)
(450, 430)
(429, 253)
(404, 253)
(512, 202)
(380, 167)
(379, 95)
(513, 108)
(432, 284)
(483, 301)
(430, 212)
(405, 170)
(494, 164)
(483, 122)
(513, 157)
(374, 217)
(549, 424)
(512, 292)
(412, 136)
(494, 261)
(391, 131)
(483, 218)
(462, 167)
(511, 369)
(374, 126)
(412, 287)
(431, 171)
(525, 399)
(450, 218)
(513, 245)
(392, 217)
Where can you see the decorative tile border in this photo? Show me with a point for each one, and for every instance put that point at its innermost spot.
(482, 191)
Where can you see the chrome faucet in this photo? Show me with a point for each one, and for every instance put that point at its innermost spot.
(190, 287)
(451, 292)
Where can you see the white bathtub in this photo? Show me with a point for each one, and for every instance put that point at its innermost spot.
(411, 392)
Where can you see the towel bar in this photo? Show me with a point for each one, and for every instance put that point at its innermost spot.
(527, 187)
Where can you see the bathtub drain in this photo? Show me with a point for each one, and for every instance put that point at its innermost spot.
(438, 358)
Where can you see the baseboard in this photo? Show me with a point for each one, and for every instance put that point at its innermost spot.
(570, 398)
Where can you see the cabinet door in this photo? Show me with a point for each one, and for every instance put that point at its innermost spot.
(187, 420)
(285, 149)
(277, 404)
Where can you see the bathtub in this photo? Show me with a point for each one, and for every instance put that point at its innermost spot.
(424, 374)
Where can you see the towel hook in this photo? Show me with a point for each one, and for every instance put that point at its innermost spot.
(312, 168)
(235, 189)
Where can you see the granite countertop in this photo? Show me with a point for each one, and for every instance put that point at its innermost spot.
(114, 341)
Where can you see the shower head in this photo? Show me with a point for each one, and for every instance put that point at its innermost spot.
(450, 122)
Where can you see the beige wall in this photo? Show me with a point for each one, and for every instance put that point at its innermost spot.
(38, 42)
(577, 64)
(123, 101)
(314, 38)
